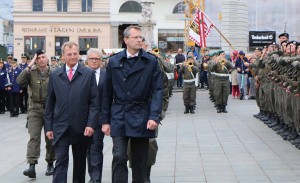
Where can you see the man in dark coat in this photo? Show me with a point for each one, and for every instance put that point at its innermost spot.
(71, 113)
(94, 153)
(131, 105)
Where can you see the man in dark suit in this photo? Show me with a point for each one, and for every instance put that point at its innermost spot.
(94, 153)
(71, 113)
(131, 105)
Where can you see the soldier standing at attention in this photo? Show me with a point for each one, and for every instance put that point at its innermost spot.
(221, 70)
(2, 86)
(13, 89)
(24, 93)
(53, 63)
(189, 71)
(37, 77)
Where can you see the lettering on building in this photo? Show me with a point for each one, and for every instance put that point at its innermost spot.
(61, 30)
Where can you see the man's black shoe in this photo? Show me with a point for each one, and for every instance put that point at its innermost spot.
(278, 127)
(30, 172)
(219, 109)
(192, 109)
(50, 170)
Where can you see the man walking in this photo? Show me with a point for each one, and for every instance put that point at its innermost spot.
(132, 102)
(94, 153)
(72, 112)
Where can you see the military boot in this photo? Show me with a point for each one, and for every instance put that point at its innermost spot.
(224, 109)
(192, 109)
(30, 172)
(147, 178)
(50, 169)
(219, 109)
(186, 109)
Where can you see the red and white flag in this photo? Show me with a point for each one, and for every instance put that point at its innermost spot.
(200, 28)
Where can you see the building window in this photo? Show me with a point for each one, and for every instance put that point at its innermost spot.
(170, 39)
(131, 7)
(33, 43)
(62, 5)
(87, 5)
(59, 41)
(179, 8)
(37, 5)
(85, 43)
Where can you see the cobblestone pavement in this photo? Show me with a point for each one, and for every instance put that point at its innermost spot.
(202, 147)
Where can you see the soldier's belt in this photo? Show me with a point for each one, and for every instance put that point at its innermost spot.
(189, 80)
(221, 75)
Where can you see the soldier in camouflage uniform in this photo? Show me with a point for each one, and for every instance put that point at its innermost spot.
(37, 77)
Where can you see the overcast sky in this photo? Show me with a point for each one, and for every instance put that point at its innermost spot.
(6, 9)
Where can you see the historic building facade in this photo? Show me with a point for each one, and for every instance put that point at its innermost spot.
(46, 24)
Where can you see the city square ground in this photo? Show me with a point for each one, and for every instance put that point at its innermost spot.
(205, 147)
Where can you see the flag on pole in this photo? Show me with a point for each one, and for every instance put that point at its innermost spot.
(200, 28)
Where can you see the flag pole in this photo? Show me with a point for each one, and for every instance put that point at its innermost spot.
(216, 28)
(224, 38)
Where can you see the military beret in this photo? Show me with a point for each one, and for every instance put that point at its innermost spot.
(283, 34)
(23, 55)
(213, 54)
(220, 51)
(189, 57)
(9, 56)
(53, 58)
(241, 53)
(259, 48)
(39, 52)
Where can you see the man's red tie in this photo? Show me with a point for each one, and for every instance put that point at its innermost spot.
(70, 75)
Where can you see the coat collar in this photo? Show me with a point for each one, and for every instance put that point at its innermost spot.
(79, 71)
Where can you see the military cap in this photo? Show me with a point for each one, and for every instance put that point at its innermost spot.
(220, 51)
(82, 52)
(283, 34)
(292, 42)
(39, 52)
(14, 60)
(53, 58)
(23, 55)
(241, 53)
(9, 56)
(259, 48)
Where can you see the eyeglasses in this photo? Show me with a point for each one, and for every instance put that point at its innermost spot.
(136, 37)
(94, 59)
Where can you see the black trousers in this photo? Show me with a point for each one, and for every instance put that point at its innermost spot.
(7, 103)
(95, 156)
(62, 161)
(139, 155)
(23, 100)
(2, 100)
(14, 102)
